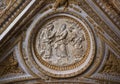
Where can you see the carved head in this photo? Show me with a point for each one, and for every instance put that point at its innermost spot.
(71, 28)
(50, 27)
(63, 27)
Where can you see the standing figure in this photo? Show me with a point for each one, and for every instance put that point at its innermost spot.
(47, 37)
(60, 46)
(71, 35)
(75, 42)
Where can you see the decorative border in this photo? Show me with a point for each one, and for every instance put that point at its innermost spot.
(95, 18)
(11, 13)
(106, 76)
(84, 5)
(69, 67)
(109, 11)
(29, 58)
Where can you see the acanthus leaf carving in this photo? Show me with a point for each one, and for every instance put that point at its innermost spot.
(10, 66)
(112, 65)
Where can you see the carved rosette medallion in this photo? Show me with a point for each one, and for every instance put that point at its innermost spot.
(62, 45)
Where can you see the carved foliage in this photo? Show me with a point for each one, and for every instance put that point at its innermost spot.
(112, 65)
(9, 66)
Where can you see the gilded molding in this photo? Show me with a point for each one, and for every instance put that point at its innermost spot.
(108, 8)
(101, 34)
(11, 12)
(98, 20)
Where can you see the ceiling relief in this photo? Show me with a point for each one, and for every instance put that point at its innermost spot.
(61, 41)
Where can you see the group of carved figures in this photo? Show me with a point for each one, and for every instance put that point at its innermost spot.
(61, 42)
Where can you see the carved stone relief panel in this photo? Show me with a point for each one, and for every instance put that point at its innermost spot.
(61, 41)
(63, 44)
